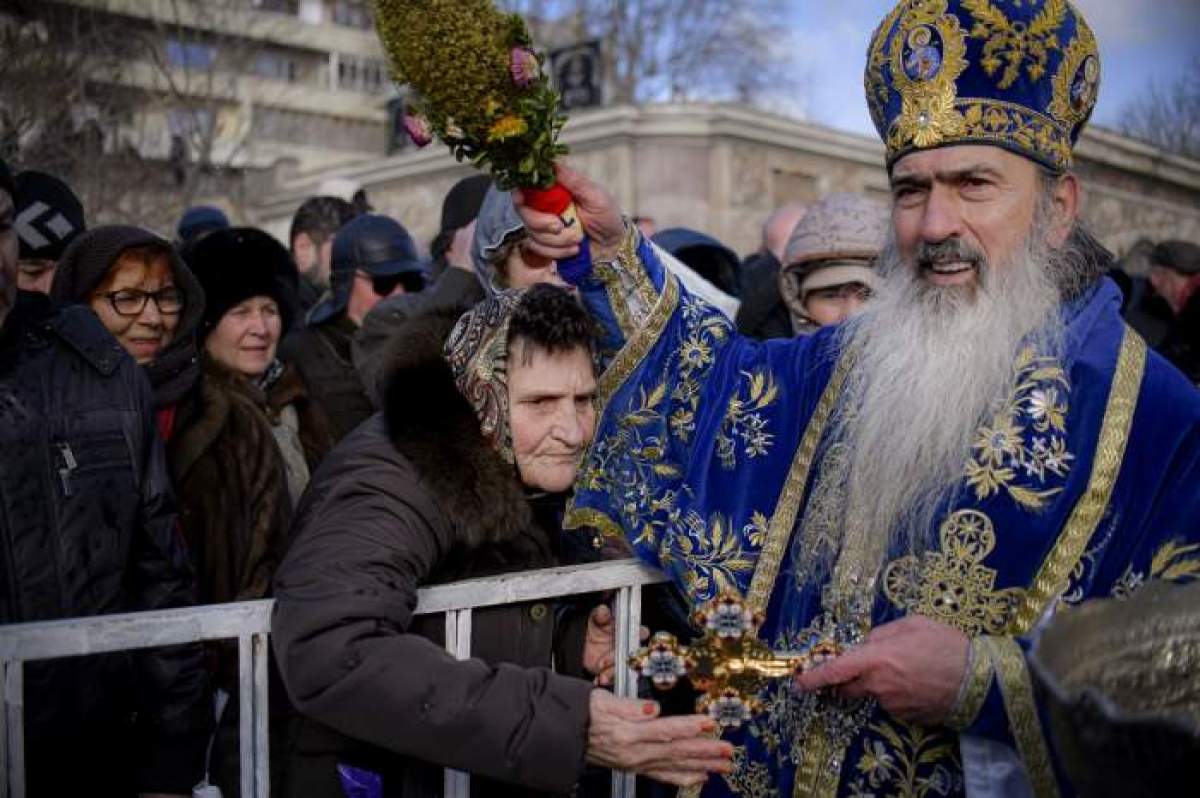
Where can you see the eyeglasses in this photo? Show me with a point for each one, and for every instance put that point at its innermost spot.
(131, 302)
(385, 284)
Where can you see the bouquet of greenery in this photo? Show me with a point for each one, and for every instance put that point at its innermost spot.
(479, 87)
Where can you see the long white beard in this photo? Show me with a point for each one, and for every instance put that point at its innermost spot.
(932, 364)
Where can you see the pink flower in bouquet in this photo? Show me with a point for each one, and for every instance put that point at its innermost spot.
(418, 129)
(524, 66)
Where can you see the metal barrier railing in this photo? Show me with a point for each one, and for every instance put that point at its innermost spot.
(250, 624)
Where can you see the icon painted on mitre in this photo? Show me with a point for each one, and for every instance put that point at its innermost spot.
(1083, 88)
(924, 58)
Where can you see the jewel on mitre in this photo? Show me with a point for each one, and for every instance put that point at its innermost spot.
(418, 129)
(523, 65)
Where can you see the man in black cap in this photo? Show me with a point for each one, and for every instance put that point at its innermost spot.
(88, 526)
(452, 277)
(48, 217)
(373, 257)
(1175, 275)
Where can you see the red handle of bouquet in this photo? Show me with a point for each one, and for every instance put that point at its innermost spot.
(557, 200)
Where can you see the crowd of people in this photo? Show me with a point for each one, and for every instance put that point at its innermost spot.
(339, 421)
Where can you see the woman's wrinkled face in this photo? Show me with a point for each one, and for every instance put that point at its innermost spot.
(139, 279)
(245, 338)
(550, 399)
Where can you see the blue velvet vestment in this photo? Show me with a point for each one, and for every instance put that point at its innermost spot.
(1086, 484)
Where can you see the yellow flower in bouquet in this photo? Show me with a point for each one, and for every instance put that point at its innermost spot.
(477, 85)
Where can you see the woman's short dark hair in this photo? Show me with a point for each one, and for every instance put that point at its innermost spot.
(552, 320)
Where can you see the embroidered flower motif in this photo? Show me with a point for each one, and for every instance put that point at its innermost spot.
(1007, 456)
(695, 353)
(875, 762)
(524, 67)
(999, 441)
(507, 127)
(417, 128)
(1045, 408)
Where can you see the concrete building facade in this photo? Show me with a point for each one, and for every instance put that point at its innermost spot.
(301, 81)
(721, 169)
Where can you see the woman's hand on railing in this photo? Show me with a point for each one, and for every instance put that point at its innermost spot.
(627, 734)
(600, 645)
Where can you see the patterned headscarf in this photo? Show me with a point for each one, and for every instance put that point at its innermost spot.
(477, 352)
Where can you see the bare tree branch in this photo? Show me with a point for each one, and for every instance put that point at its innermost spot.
(1168, 115)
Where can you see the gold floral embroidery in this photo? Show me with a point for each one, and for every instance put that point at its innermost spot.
(876, 86)
(705, 332)
(749, 779)
(743, 420)
(1013, 44)
(1054, 574)
(1174, 561)
(1024, 446)
(1076, 84)
(952, 585)
(906, 762)
(713, 553)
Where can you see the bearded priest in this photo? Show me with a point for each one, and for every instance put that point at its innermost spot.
(986, 443)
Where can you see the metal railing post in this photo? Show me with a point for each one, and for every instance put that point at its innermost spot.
(14, 720)
(458, 643)
(246, 714)
(627, 611)
(262, 761)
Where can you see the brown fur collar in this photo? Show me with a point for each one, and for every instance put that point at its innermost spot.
(204, 416)
(434, 427)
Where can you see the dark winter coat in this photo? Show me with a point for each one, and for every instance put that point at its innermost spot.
(414, 497)
(88, 527)
(762, 314)
(323, 355)
(1182, 343)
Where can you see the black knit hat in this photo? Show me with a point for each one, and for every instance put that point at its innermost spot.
(52, 216)
(238, 263)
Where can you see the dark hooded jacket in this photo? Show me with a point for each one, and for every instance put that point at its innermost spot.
(88, 527)
(416, 496)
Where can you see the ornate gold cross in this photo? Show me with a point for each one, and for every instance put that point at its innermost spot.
(729, 664)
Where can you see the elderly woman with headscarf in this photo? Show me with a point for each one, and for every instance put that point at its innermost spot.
(464, 474)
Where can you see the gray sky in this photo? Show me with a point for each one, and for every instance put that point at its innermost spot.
(1139, 40)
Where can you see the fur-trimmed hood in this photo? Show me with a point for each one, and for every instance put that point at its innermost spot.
(434, 427)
